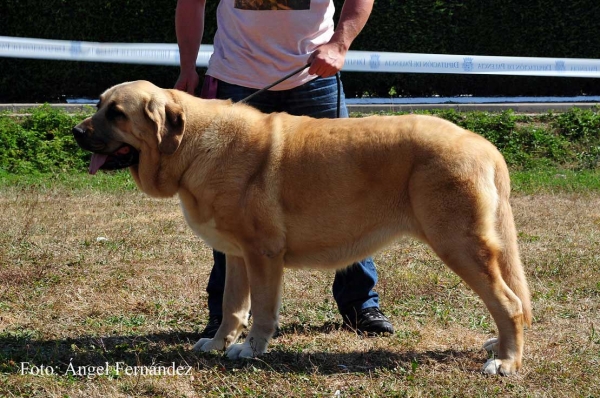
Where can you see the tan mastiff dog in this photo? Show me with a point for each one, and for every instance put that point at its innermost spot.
(274, 191)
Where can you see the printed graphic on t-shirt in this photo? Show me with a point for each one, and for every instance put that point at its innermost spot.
(272, 4)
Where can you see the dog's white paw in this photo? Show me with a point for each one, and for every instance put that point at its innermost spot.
(491, 346)
(240, 351)
(503, 367)
(492, 366)
(248, 349)
(206, 345)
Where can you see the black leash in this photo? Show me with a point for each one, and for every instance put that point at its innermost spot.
(262, 90)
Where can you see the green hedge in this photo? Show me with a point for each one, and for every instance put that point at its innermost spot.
(552, 28)
(42, 142)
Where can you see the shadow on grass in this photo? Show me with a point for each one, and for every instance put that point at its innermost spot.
(163, 349)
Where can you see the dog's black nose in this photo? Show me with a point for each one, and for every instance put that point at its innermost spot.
(78, 131)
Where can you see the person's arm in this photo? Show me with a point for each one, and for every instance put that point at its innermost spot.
(189, 27)
(329, 58)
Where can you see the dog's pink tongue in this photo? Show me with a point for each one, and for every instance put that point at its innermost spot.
(96, 162)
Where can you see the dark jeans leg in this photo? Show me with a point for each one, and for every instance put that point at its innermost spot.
(216, 285)
(353, 288)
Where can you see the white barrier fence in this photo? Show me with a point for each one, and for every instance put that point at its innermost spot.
(356, 61)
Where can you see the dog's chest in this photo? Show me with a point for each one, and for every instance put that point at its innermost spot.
(208, 232)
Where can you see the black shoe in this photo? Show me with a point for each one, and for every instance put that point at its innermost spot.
(211, 328)
(369, 321)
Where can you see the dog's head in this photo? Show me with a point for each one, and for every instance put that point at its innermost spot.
(131, 118)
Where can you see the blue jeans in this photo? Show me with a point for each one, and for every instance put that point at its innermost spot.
(352, 286)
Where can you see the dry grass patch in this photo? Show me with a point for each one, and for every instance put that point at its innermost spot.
(137, 298)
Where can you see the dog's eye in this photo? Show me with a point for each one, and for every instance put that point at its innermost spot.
(115, 113)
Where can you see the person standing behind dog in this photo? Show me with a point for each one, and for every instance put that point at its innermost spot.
(256, 43)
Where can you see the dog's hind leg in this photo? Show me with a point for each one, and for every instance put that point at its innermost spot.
(476, 262)
(509, 262)
(236, 306)
(265, 275)
(461, 227)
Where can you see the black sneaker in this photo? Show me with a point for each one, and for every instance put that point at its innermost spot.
(211, 328)
(370, 322)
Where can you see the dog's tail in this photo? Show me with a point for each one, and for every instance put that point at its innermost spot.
(509, 259)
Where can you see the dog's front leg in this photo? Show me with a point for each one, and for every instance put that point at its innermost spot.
(266, 277)
(236, 305)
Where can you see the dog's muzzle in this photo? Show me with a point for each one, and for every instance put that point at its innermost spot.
(124, 156)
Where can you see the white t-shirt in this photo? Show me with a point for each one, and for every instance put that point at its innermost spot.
(260, 41)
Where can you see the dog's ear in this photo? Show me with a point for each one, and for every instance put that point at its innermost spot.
(172, 129)
(169, 120)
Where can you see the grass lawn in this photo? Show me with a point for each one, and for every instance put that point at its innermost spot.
(71, 304)
(102, 288)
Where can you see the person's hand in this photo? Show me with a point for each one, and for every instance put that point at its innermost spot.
(327, 60)
(188, 81)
